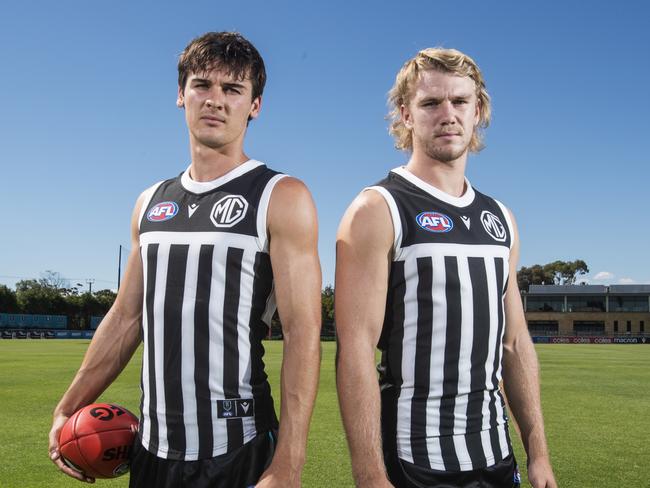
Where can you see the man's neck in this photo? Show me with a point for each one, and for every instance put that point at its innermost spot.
(209, 164)
(448, 177)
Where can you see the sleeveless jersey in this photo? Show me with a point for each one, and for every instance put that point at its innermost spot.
(208, 300)
(442, 336)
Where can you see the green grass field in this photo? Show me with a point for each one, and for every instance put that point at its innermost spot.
(596, 403)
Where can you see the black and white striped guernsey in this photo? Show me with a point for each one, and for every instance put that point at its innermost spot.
(443, 329)
(208, 300)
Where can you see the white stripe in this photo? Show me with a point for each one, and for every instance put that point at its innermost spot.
(188, 361)
(204, 186)
(493, 300)
(511, 228)
(394, 215)
(220, 239)
(162, 262)
(459, 250)
(463, 201)
(503, 441)
(147, 195)
(487, 446)
(408, 362)
(216, 368)
(460, 445)
(146, 421)
(262, 211)
(243, 337)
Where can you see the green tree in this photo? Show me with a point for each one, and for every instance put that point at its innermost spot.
(37, 297)
(555, 273)
(8, 301)
(327, 311)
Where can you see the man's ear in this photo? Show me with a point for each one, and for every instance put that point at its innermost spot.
(180, 100)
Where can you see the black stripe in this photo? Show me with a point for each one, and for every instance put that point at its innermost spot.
(452, 356)
(202, 352)
(152, 261)
(422, 363)
(265, 418)
(480, 348)
(494, 435)
(230, 346)
(392, 334)
(172, 340)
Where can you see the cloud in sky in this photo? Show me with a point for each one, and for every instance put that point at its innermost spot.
(626, 281)
(603, 276)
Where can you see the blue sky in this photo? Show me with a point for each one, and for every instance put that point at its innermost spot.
(88, 118)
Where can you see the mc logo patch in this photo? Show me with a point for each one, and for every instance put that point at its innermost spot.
(434, 222)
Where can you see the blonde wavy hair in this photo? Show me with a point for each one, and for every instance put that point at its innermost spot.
(446, 61)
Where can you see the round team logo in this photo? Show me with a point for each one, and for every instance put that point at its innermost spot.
(162, 211)
(493, 226)
(434, 222)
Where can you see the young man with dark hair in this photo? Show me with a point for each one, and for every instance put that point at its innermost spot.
(426, 272)
(213, 251)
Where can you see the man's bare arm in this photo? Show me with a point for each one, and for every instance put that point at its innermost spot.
(521, 381)
(363, 250)
(293, 233)
(110, 350)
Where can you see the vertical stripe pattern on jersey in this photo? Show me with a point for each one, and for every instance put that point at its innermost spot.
(172, 345)
(450, 371)
(422, 363)
(230, 342)
(202, 352)
(150, 396)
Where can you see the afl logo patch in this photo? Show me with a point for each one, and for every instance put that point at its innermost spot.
(229, 211)
(434, 222)
(493, 226)
(162, 211)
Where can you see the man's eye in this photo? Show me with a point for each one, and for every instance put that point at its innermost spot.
(460, 102)
(230, 89)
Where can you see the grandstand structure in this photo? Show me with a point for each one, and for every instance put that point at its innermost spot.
(588, 310)
(32, 326)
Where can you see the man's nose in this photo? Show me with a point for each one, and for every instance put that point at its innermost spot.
(447, 112)
(216, 99)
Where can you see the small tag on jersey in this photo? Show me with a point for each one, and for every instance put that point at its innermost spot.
(235, 408)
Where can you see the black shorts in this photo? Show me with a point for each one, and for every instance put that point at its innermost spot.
(504, 474)
(238, 469)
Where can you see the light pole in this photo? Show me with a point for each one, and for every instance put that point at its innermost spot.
(90, 282)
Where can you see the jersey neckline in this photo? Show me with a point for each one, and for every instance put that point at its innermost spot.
(463, 201)
(204, 186)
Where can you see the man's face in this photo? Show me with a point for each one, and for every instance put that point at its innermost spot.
(217, 107)
(442, 114)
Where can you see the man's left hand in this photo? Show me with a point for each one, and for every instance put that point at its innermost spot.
(540, 474)
(279, 478)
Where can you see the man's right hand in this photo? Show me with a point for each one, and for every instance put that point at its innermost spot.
(58, 422)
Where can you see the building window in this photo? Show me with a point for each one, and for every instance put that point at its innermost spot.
(544, 304)
(616, 326)
(543, 327)
(586, 303)
(588, 327)
(629, 326)
(628, 303)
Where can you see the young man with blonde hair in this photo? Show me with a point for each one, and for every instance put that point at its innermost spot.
(213, 250)
(426, 272)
